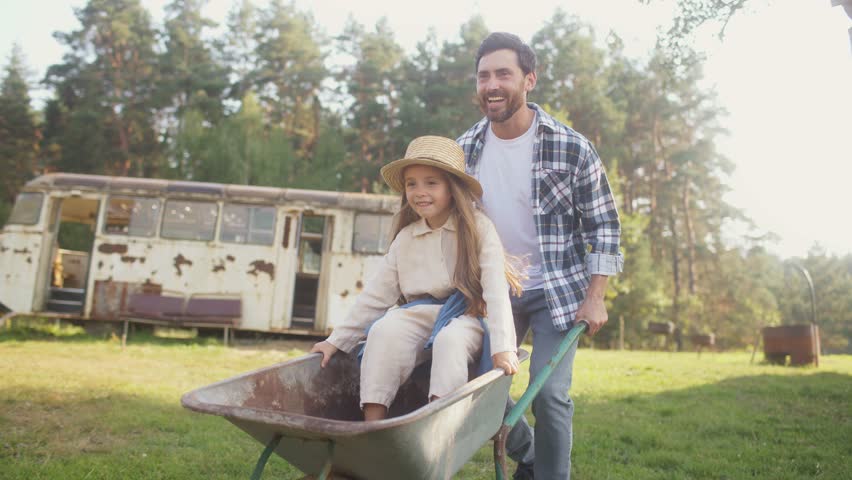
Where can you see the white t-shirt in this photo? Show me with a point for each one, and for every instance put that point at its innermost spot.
(505, 172)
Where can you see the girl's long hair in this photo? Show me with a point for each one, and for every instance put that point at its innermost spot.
(468, 275)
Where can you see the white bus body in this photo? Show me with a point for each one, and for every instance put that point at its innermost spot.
(296, 259)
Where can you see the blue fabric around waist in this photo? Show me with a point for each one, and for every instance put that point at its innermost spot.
(452, 307)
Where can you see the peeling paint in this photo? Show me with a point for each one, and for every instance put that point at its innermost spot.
(110, 248)
(359, 285)
(23, 251)
(220, 267)
(261, 266)
(344, 294)
(181, 260)
(230, 258)
(130, 259)
(29, 259)
(100, 264)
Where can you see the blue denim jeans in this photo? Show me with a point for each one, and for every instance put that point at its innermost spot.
(550, 446)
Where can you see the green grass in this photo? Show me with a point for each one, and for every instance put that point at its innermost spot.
(79, 406)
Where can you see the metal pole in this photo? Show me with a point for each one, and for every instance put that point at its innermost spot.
(807, 276)
(814, 326)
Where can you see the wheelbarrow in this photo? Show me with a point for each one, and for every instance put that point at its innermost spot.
(310, 416)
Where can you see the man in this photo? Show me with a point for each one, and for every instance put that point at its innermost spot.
(547, 193)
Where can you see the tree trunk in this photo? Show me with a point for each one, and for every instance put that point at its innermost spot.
(675, 268)
(690, 238)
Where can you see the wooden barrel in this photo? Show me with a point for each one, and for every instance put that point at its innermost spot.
(800, 342)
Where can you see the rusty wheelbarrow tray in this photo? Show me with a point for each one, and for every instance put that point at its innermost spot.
(311, 417)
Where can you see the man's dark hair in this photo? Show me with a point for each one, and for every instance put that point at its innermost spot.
(507, 41)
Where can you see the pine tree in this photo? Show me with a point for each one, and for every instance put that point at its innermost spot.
(19, 136)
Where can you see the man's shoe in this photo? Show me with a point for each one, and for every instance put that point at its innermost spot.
(524, 472)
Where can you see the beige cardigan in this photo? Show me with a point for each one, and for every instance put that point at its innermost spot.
(421, 262)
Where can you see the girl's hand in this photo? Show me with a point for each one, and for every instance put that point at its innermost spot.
(508, 361)
(326, 349)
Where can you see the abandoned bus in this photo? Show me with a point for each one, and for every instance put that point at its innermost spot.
(190, 253)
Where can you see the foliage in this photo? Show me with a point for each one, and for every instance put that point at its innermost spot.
(19, 136)
(272, 100)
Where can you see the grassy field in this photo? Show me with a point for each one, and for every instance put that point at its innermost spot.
(81, 407)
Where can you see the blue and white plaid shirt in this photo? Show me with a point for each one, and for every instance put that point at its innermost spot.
(573, 207)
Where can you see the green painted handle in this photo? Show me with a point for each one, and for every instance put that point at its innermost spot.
(528, 396)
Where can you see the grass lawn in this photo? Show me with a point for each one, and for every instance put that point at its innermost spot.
(81, 407)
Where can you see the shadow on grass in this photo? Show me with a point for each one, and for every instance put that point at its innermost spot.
(84, 434)
(765, 426)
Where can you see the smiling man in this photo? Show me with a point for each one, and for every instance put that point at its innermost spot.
(546, 191)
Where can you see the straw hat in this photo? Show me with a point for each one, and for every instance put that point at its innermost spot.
(438, 152)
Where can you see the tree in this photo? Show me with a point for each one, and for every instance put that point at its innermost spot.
(573, 81)
(289, 73)
(373, 82)
(240, 48)
(189, 75)
(107, 83)
(438, 96)
(191, 85)
(19, 135)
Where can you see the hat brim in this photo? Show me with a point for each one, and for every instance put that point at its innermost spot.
(392, 174)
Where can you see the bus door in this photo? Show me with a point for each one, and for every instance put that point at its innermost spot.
(312, 242)
(285, 266)
(70, 240)
(24, 248)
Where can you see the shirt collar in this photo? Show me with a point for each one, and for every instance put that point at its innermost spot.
(422, 228)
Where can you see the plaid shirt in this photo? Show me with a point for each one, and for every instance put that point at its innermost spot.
(573, 206)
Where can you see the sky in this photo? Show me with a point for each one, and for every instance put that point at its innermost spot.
(783, 73)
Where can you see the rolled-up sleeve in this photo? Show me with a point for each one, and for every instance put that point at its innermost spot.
(380, 293)
(599, 214)
(495, 288)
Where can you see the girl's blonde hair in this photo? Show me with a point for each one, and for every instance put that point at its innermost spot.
(468, 275)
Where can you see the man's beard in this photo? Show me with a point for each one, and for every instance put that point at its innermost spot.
(513, 104)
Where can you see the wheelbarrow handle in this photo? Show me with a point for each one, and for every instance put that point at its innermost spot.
(526, 399)
(529, 395)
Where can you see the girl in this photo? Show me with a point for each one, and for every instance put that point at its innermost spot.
(442, 243)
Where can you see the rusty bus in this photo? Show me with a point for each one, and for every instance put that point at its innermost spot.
(292, 260)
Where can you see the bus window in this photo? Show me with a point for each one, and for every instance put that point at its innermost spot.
(189, 220)
(27, 209)
(371, 233)
(248, 224)
(135, 216)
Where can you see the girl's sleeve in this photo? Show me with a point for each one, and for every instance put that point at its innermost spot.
(495, 288)
(380, 293)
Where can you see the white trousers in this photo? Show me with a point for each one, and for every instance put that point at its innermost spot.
(395, 346)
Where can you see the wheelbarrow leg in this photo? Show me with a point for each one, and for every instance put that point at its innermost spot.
(264, 457)
(500, 452)
(325, 473)
(526, 399)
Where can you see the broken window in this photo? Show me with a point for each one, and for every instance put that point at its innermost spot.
(249, 224)
(371, 233)
(190, 220)
(134, 216)
(27, 209)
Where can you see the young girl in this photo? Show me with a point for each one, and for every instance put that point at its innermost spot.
(442, 243)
